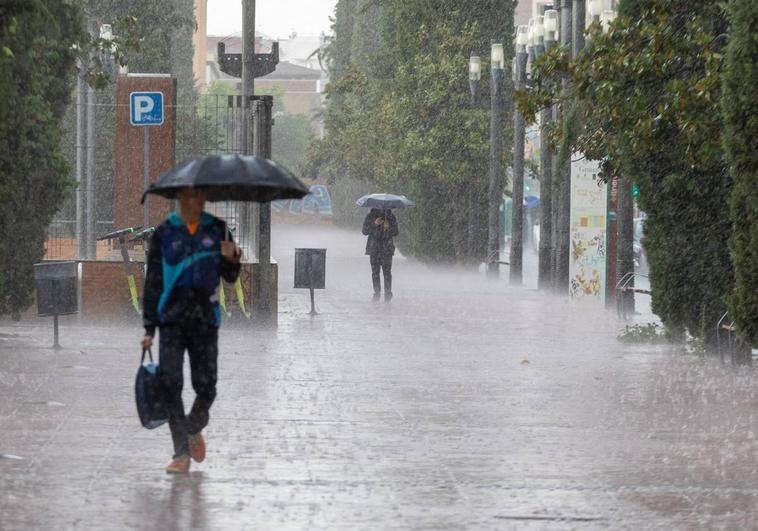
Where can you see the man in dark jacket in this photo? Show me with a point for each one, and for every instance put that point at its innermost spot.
(381, 227)
(189, 253)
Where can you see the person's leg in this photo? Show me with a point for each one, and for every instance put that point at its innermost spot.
(376, 264)
(203, 355)
(172, 344)
(387, 270)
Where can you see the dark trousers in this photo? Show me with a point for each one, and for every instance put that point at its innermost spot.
(381, 263)
(202, 346)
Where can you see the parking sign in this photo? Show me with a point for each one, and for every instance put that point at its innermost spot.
(146, 108)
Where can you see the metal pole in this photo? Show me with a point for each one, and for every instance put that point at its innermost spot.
(544, 274)
(495, 173)
(248, 67)
(54, 289)
(81, 252)
(579, 16)
(546, 207)
(564, 196)
(248, 212)
(264, 303)
(517, 219)
(146, 172)
(89, 202)
(625, 227)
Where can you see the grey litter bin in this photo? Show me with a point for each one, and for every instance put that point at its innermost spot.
(56, 284)
(310, 271)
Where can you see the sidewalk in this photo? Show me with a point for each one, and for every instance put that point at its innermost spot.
(463, 404)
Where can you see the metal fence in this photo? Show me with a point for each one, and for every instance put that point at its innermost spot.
(211, 124)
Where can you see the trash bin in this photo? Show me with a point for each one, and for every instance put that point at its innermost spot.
(310, 271)
(56, 284)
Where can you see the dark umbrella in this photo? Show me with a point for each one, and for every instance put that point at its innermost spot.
(230, 178)
(385, 201)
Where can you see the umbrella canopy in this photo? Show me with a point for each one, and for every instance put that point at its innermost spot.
(230, 178)
(385, 201)
(531, 201)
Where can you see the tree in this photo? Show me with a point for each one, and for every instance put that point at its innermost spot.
(398, 115)
(645, 101)
(740, 77)
(36, 73)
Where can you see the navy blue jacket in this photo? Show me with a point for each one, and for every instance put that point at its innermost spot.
(184, 272)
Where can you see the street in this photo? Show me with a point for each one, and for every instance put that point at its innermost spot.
(462, 404)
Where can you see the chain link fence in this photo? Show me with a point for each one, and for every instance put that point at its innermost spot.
(209, 125)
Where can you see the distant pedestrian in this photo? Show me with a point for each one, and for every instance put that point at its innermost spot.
(189, 253)
(381, 227)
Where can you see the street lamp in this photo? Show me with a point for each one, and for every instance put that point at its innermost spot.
(474, 76)
(519, 129)
(530, 40)
(497, 65)
(606, 18)
(539, 35)
(551, 27)
(596, 9)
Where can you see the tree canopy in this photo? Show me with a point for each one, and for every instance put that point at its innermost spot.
(36, 72)
(399, 118)
(645, 101)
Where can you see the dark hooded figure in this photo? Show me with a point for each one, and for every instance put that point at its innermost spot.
(381, 227)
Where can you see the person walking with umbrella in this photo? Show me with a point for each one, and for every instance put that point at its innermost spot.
(380, 225)
(189, 253)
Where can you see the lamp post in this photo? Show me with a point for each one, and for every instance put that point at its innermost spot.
(497, 65)
(519, 130)
(544, 278)
(563, 172)
(595, 10)
(474, 77)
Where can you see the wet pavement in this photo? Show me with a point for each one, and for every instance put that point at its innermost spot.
(463, 404)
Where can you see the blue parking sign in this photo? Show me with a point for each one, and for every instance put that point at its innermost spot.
(146, 108)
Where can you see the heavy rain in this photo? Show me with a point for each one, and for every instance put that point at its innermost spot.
(359, 264)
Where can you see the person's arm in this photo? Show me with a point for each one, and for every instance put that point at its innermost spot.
(230, 265)
(394, 231)
(368, 224)
(153, 285)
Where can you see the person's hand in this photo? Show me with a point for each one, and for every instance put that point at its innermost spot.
(146, 342)
(231, 252)
(378, 221)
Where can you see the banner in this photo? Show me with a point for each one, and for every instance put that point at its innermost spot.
(587, 263)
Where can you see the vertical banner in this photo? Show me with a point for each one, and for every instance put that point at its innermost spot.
(589, 210)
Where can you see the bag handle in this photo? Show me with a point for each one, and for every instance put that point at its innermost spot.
(149, 353)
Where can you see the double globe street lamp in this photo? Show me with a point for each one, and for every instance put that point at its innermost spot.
(497, 66)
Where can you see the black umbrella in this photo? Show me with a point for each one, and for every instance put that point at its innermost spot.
(230, 178)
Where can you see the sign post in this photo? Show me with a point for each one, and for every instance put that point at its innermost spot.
(145, 110)
(589, 210)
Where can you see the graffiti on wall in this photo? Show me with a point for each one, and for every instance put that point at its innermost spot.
(588, 231)
(318, 202)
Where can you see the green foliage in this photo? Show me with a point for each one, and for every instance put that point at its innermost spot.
(399, 116)
(651, 333)
(157, 35)
(646, 98)
(36, 73)
(740, 78)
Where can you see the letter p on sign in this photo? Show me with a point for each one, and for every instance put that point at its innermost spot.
(146, 108)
